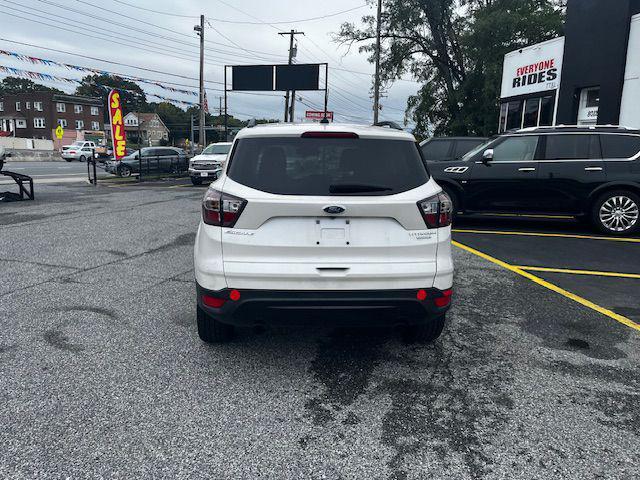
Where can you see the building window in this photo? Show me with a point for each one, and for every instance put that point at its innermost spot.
(62, 122)
(28, 105)
(131, 121)
(21, 124)
(38, 122)
(18, 107)
(1, 106)
(77, 108)
(37, 106)
(61, 107)
(94, 111)
(95, 125)
(79, 124)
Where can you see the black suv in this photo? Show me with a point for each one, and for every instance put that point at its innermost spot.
(588, 172)
(445, 149)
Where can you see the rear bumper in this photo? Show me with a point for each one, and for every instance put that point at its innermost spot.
(356, 307)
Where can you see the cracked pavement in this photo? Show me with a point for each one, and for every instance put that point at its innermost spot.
(102, 374)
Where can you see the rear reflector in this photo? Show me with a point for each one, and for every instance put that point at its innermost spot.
(421, 295)
(444, 300)
(330, 135)
(234, 295)
(213, 302)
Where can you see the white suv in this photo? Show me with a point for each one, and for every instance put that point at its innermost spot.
(323, 223)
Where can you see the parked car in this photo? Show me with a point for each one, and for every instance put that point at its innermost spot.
(591, 173)
(445, 149)
(208, 164)
(312, 222)
(154, 160)
(80, 150)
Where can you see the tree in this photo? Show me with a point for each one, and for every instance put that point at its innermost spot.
(455, 49)
(131, 95)
(11, 85)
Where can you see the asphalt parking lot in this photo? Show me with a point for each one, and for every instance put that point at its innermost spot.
(102, 373)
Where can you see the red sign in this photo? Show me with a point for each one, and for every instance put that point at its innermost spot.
(117, 125)
(318, 115)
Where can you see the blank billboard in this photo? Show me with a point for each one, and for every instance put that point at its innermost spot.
(297, 77)
(252, 77)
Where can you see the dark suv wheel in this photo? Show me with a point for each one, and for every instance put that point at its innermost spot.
(617, 212)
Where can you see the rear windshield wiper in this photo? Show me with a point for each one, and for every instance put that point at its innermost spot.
(356, 188)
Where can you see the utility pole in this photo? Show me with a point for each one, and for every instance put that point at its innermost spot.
(376, 82)
(191, 130)
(200, 31)
(288, 111)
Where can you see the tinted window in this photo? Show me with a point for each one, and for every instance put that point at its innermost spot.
(619, 146)
(514, 149)
(437, 150)
(327, 166)
(465, 146)
(572, 147)
(531, 108)
(546, 111)
(514, 115)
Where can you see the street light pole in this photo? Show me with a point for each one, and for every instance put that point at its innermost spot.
(200, 31)
(376, 84)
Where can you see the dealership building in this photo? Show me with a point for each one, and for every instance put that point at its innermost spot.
(591, 76)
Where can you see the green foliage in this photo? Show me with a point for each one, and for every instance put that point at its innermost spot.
(11, 85)
(131, 95)
(455, 49)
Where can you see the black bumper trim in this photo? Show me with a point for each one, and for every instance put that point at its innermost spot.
(360, 307)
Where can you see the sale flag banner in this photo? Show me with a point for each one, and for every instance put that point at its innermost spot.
(117, 125)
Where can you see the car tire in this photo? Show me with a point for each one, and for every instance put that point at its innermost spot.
(82, 158)
(425, 332)
(124, 171)
(196, 181)
(69, 159)
(211, 330)
(617, 213)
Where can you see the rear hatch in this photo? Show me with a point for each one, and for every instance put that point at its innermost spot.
(328, 212)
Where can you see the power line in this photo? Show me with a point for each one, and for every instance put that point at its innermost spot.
(288, 22)
(172, 14)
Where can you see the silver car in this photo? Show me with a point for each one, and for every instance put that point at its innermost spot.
(208, 165)
(80, 150)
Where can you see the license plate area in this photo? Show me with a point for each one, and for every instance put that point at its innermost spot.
(204, 174)
(333, 231)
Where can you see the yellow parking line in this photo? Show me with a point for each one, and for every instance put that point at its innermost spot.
(572, 296)
(579, 272)
(553, 235)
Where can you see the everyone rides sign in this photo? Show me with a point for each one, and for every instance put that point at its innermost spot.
(117, 126)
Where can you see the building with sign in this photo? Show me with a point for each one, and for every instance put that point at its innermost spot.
(591, 76)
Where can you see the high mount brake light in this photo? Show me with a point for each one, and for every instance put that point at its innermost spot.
(437, 211)
(221, 209)
(330, 135)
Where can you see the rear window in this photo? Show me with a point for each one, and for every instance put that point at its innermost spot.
(437, 150)
(572, 147)
(619, 146)
(327, 166)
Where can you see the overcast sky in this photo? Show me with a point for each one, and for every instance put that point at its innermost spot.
(167, 43)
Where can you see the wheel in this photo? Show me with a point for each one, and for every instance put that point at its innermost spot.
(124, 171)
(455, 202)
(196, 180)
(68, 159)
(83, 158)
(212, 331)
(617, 212)
(425, 332)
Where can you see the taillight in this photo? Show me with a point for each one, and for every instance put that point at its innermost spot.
(437, 210)
(444, 300)
(221, 209)
(213, 302)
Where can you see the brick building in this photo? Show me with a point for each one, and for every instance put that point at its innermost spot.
(37, 114)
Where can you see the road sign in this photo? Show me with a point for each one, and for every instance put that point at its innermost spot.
(318, 115)
(59, 132)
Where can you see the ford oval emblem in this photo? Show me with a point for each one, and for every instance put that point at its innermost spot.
(334, 209)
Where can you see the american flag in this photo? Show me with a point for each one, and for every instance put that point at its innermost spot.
(206, 103)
